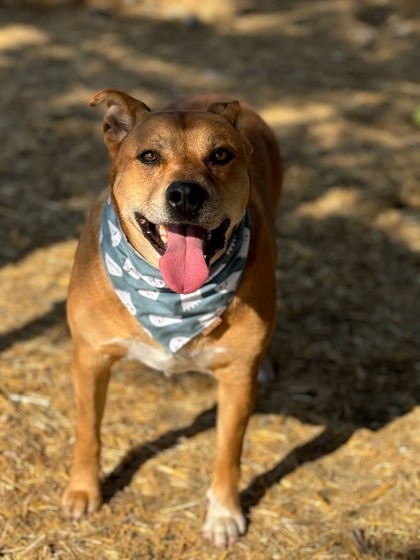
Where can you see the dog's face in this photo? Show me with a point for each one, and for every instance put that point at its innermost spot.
(180, 182)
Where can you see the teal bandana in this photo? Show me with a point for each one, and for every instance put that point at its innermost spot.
(170, 318)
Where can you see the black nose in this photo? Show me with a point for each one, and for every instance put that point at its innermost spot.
(185, 197)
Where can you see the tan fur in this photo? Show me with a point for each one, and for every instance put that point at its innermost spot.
(100, 323)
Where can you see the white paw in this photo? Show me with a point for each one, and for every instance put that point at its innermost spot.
(266, 371)
(222, 527)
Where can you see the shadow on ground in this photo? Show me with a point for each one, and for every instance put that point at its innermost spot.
(346, 343)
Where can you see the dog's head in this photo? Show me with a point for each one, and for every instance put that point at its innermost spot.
(179, 182)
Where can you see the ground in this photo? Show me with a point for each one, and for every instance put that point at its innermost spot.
(331, 458)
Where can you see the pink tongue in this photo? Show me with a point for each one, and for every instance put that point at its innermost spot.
(183, 265)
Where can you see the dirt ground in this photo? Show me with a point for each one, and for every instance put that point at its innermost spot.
(331, 458)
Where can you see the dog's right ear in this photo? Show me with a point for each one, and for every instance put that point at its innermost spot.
(123, 113)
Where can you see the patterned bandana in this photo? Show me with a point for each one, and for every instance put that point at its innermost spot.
(171, 319)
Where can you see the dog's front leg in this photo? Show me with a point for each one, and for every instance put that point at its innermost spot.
(91, 371)
(225, 521)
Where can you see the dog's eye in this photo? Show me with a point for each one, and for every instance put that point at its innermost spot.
(221, 156)
(149, 157)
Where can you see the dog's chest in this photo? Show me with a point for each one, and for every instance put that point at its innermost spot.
(199, 360)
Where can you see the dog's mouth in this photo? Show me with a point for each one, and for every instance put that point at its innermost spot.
(186, 251)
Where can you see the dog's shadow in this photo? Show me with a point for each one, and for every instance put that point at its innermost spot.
(336, 433)
(328, 441)
(123, 473)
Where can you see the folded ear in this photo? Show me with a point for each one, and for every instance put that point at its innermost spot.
(123, 113)
(230, 110)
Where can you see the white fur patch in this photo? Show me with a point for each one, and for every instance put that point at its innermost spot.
(160, 359)
(221, 526)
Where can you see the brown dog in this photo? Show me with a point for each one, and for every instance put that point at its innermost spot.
(188, 185)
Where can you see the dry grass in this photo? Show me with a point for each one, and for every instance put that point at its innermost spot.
(331, 458)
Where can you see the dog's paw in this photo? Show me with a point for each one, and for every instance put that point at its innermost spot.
(78, 503)
(221, 526)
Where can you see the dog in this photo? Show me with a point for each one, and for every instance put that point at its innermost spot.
(175, 267)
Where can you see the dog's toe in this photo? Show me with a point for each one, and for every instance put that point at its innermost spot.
(221, 526)
(222, 532)
(78, 503)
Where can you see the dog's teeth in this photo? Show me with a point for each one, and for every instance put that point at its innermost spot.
(208, 237)
(163, 232)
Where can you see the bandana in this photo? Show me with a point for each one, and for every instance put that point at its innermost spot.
(171, 319)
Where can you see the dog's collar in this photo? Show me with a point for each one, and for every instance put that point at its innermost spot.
(171, 319)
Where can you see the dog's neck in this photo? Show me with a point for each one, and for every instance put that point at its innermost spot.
(170, 318)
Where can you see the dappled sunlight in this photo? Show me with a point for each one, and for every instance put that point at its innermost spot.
(330, 459)
(297, 112)
(31, 287)
(294, 20)
(77, 97)
(148, 67)
(335, 202)
(16, 36)
(403, 227)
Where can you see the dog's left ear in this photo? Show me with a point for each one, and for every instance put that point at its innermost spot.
(230, 110)
(123, 113)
